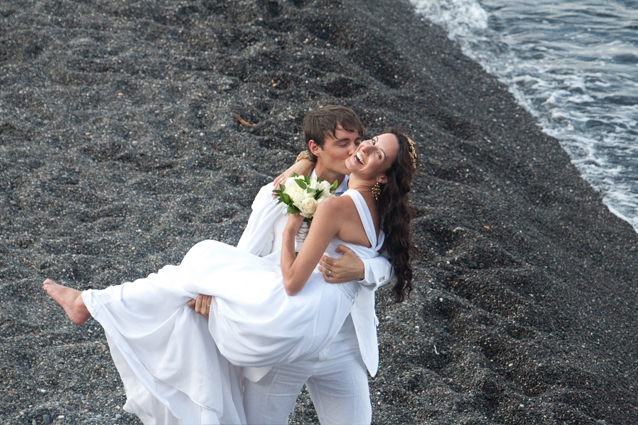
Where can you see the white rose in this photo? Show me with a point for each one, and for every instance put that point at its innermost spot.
(290, 183)
(314, 184)
(325, 186)
(294, 191)
(325, 194)
(297, 195)
(309, 194)
(308, 207)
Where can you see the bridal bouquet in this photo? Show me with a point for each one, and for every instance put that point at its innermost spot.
(302, 194)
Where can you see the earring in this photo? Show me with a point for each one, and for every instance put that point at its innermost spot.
(376, 191)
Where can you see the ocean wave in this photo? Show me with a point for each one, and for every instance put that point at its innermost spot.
(574, 67)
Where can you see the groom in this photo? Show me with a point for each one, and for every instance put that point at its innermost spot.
(336, 378)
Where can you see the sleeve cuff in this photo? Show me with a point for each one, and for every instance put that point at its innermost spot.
(368, 279)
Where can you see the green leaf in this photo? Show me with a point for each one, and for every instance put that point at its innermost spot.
(334, 186)
(302, 184)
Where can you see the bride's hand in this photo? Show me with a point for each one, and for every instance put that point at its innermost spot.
(294, 223)
(201, 304)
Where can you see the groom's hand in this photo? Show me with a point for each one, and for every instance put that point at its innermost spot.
(345, 269)
(201, 305)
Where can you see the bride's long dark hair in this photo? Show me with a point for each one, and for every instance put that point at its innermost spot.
(396, 213)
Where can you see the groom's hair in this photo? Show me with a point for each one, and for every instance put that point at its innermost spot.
(319, 124)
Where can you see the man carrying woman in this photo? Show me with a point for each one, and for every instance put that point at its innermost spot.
(179, 367)
(336, 378)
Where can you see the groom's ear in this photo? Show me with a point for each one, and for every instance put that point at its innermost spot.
(314, 148)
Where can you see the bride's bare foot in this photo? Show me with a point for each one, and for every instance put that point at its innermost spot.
(70, 299)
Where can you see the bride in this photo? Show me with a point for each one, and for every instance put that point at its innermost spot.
(184, 368)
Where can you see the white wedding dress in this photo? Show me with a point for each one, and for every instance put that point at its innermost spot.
(179, 367)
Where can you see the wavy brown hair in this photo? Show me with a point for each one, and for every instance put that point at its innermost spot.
(394, 207)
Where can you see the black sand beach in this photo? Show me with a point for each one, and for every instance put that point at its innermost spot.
(119, 150)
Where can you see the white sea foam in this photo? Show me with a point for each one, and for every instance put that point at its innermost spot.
(461, 18)
(574, 66)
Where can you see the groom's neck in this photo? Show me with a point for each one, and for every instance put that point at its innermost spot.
(328, 175)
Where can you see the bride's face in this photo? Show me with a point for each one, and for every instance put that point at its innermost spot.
(374, 156)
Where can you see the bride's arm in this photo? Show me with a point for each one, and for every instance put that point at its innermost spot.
(302, 167)
(297, 270)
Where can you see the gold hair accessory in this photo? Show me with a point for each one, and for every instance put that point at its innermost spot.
(303, 155)
(376, 191)
(413, 153)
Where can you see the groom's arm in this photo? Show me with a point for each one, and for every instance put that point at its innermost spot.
(303, 166)
(265, 219)
(379, 271)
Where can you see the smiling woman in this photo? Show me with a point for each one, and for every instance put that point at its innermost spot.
(378, 152)
(364, 175)
(394, 207)
(177, 365)
(390, 191)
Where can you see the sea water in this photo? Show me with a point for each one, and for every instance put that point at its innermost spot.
(573, 65)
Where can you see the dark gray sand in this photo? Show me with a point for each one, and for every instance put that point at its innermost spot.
(119, 151)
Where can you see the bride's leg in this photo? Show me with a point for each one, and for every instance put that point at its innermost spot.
(70, 299)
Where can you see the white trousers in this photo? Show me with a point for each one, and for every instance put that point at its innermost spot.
(336, 379)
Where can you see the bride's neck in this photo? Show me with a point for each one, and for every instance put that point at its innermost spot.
(360, 185)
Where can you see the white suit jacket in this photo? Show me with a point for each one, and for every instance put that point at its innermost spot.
(263, 237)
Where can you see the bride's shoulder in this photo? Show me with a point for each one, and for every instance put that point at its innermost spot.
(336, 205)
(337, 202)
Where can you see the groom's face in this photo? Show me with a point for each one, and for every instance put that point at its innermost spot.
(337, 148)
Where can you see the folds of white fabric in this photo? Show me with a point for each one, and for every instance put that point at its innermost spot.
(179, 367)
(168, 362)
(176, 365)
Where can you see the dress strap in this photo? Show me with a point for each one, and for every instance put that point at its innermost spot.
(366, 219)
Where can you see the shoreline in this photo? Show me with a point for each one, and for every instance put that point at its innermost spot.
(120, 151)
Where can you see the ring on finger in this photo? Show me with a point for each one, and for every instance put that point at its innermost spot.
(329, 273)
